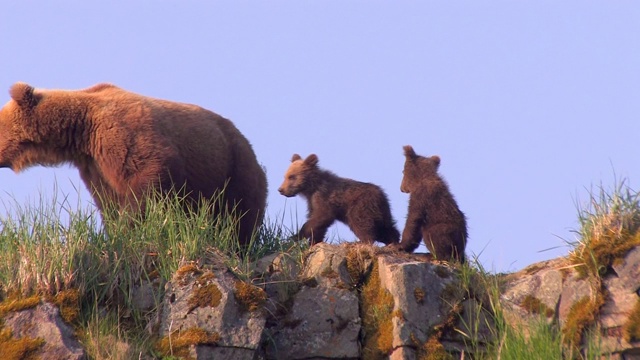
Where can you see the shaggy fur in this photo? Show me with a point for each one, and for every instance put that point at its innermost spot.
(433, 215)
(126, 144)
(362, 206)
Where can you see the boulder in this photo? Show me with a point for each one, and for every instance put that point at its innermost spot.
(44, 322)
(323, 322)
(321, 318)
(211, 312)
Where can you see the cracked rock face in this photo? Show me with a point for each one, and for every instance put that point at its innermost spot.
(324, 308)
(323, 322)
(205, 299)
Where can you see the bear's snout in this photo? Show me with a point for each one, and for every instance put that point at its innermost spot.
(287, 191)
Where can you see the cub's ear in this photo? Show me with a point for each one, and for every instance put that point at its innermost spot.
(311, 160)
(295, 157)
(436, 161)
(23, 94)
(408, 152)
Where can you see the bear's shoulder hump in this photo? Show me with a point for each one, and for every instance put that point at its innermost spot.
(100, 87)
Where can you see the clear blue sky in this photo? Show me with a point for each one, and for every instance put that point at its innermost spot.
(528, 103)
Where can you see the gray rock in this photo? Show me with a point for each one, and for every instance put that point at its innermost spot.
(204, 299)
(144, 298)
(542, 281)
(420, 313)
(323, 322)
(327, 265)
(574, 289)
(628, 269)
(44, 322)
(278, 274)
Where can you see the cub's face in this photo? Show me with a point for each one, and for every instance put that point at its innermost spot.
(416, 169)
(295, 178)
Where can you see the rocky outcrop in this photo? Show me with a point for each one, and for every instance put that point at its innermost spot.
(323, 319)
(358, 301)
(355, 301)
(40, 330)
(555, 290)
(208, 313)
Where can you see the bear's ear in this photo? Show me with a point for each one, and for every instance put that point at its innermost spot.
(311, 160)
(295, 157)
(22, 93)
(408, 152)
(436, 161)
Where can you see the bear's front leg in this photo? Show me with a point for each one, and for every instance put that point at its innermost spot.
(315, 229)
(413, 227)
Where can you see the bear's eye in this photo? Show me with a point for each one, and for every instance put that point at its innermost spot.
(292, 177)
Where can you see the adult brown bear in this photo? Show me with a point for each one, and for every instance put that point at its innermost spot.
(125, 144)
(364, 207)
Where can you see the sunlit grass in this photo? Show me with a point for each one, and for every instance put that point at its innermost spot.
(609, 224)
(53, 246)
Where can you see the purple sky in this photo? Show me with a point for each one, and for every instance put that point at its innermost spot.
(528, 103)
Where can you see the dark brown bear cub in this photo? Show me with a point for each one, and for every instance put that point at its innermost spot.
(362, 206)
(433, 214)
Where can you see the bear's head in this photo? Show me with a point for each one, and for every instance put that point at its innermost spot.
(35, 127)
(417, 168)
(297, 179)
(19, 129)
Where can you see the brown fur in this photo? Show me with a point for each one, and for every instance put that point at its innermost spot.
(433, 215)
(125, 144)
(362, 206)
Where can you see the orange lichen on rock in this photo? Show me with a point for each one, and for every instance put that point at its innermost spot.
(177, 344)
(207, 295)
(632, 326)
(377, 314)
(582, 314)
(18, 349)
(11, 304)
(250, 297)
(68, 301)
(534, 306)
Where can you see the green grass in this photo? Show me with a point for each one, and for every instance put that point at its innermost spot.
(609, 228)
(52, 246)
(609, 225)
(530, 340)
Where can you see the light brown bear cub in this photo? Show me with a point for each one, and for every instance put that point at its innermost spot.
(433, 215)
(362, 206)
(125, 145)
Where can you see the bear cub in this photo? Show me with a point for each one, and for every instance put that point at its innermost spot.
(362, 206)
(433, 214)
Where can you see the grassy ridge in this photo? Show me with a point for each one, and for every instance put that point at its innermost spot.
(70, 255)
